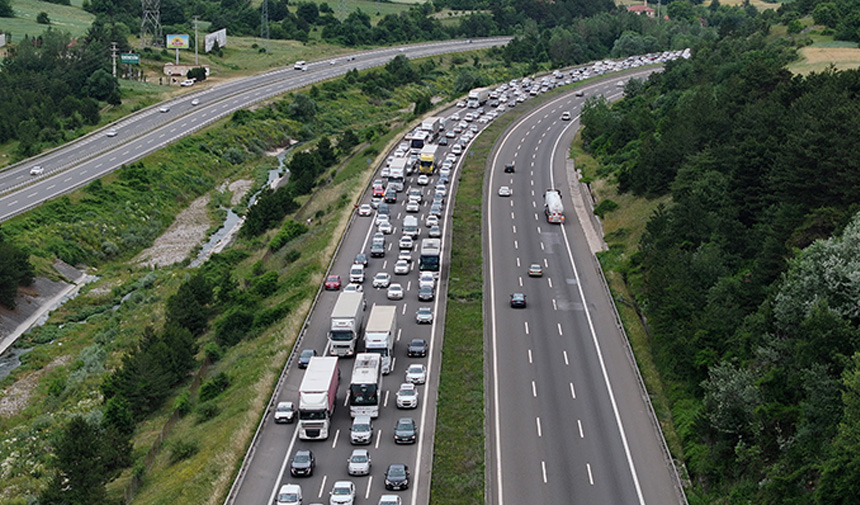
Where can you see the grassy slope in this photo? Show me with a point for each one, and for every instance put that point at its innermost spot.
(69, 18)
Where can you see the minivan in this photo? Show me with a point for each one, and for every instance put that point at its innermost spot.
(356, 273)
(361, 431)
(290, 494)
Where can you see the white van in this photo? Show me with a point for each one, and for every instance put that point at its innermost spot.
(300, 65)
(356, 273)
(361, 431)
(290, 494)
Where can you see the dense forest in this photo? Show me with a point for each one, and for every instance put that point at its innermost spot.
(749, 277)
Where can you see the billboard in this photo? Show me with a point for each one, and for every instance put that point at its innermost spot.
(220, 36)
(130, 58)
(176, 41)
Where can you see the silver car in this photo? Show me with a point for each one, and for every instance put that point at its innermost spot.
(359, 462)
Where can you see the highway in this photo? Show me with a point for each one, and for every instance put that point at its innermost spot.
(79, 162)
(568, 420)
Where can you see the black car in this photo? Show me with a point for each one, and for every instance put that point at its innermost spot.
(305, 357)
(426, 293)
(509, 168)
(390, 196)
(377, 249)
(405, 431)
(397, 477)
(361, 259)
(518, 300)
(303, 464)
(417, 348)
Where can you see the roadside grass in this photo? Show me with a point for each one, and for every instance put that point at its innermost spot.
(376, 10)
(623, 229)
(69, 18)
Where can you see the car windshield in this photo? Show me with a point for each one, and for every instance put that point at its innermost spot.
(359, 458)
(360, 427)
(415, 369)
(288, 497)
(301, 458)
(396, 471)
(340, 490)
(404, 426)
(284, 408)
(407, 392)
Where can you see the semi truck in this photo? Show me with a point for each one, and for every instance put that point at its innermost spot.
(552, 207)
(317, 398)
(478, 97)
(380, 332)
(347, 320)
(427, 159)
(432, 125)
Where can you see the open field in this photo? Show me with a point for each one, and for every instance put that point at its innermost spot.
(817, 57)
(70, 18)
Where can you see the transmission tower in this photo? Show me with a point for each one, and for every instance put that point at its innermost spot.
(150, 24)
(264, 22)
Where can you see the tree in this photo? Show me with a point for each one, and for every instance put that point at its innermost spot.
(15, 270)
(101, 85)
(308, 11)
(197, 73)
(80, 468)
(6, 9)
(43, 19)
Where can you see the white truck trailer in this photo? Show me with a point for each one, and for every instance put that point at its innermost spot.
(347, 321)
(380, 332)
(317, 394)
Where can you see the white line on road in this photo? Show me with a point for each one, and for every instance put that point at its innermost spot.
(554, 304)
(590, 477)
(112, 158)
(572, 391)
(521, 280)
(516, 245)
(31, 195)
(537, 421)
(534, 389)
(579, 424)
(549, 280)
(52, 186)
(560, 333)
(541, 246)
(322, 486)
(543, 470)
(514, 226)
(566, 361)
(378, 438)
(526, 324)
(530, 357)
(84, 171)
(336, 436)
(385, 401)
(369, 484)
(518, 261)
(99, 165)
(545, 264)
(67, 179)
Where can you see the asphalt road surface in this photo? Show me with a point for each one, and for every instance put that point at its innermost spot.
(569, 422)
(77, 163)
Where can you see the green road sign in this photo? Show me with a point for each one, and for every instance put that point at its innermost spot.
(131, 58)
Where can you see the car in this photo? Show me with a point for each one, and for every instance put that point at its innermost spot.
(390, 196)
(441, 188)
(187, 83)
(386, 228)
(375, 201)
(406, 242)
(518, 300)
(435, 209)
(443, 141)
(381, 218)
(405, 431)
(579, 92)
(405, 254)
(461, 103)
(397, 477)
(402, 267)
(290, 494)
(395, 291)
(389, 499)
(365, 210)
(450, 134)
(504, 191)
(457, 149)
(353, 287)
(565, 116)
(407, 396)
(285, 412)
(361, 431)
(427, 279)
(426, 293)
(37, 170)
(377, 249)
(423, 180)
(413, 207)
(332, 283)
(305, 357)
(509, 168)
(164, 108)
(416, 374)
(424, 315)
(342, 493)
(417, 348)
(111, 133)
(332, 62)
(473, 128)
(302, 464)
(360, 259)
(535, 270)
(381, 280)
(455, 116)
(435, 232)
(432, 221)
(359, 462)
(619, 84)
(196, 101)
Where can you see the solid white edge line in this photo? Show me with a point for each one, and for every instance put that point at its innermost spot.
(284, 464)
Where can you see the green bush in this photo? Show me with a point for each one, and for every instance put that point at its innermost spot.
(214, 386)
(604, 207)
(213, 352)
(206, 411)
(292, 256)
(233, 327)
(182, 404)
(182, 449)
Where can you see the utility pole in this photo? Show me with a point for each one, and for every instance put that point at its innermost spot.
(264, 23)
(113, 56)
(196, 61)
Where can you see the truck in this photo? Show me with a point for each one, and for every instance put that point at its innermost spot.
(365, 385)
(410, 227)
(380, 332)
(397, 173)
(478, 97)
(552, 207)
(428, 260)
(432, 125)
(317, 394)
(427, 159)
(347, 321)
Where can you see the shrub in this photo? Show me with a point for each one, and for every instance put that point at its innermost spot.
(231, 328)
(214, 386)
(182, 449)
(213, 352)
(182, 404)
(43, 19)
(288, 232)
(604, 207)
(292, 256)
(207, 411)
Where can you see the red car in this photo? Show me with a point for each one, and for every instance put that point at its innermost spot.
(378, 190)
(333, 282)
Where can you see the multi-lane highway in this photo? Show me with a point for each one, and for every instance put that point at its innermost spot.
(569, 422)
(77, 163)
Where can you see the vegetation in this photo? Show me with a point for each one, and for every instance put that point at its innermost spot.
(743, 275)
(15, 270)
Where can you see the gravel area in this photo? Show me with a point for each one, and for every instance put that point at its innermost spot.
(187, 231)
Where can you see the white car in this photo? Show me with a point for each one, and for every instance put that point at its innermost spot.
(196, 101)
(407, 396)
(435, 232)
(427, 279)
(353, 287)
(423, 180)
(386, 228)
(164, 108)
(359, 462)
(413, 206)
(187, 83)
(432, 221)
(416, 373)
(365, 210)
(620, 84)
(504, 191)
(406, 242)
(401, 268)
(290, 494)
(424, 315)
(111, 133)
(455, 116)
(382, 218)
(565, 116)
(395, 291)
(389, 499)
(405, 254)
(456, 149)
(37, 170)
(342, 493)
(285, 412)
(381, 280)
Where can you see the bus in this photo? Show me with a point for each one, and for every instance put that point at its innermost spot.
(365, 386)
(431, 249)
(427, 160)
(416, 140)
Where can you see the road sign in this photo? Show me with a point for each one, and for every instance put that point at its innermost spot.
(130, 58)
